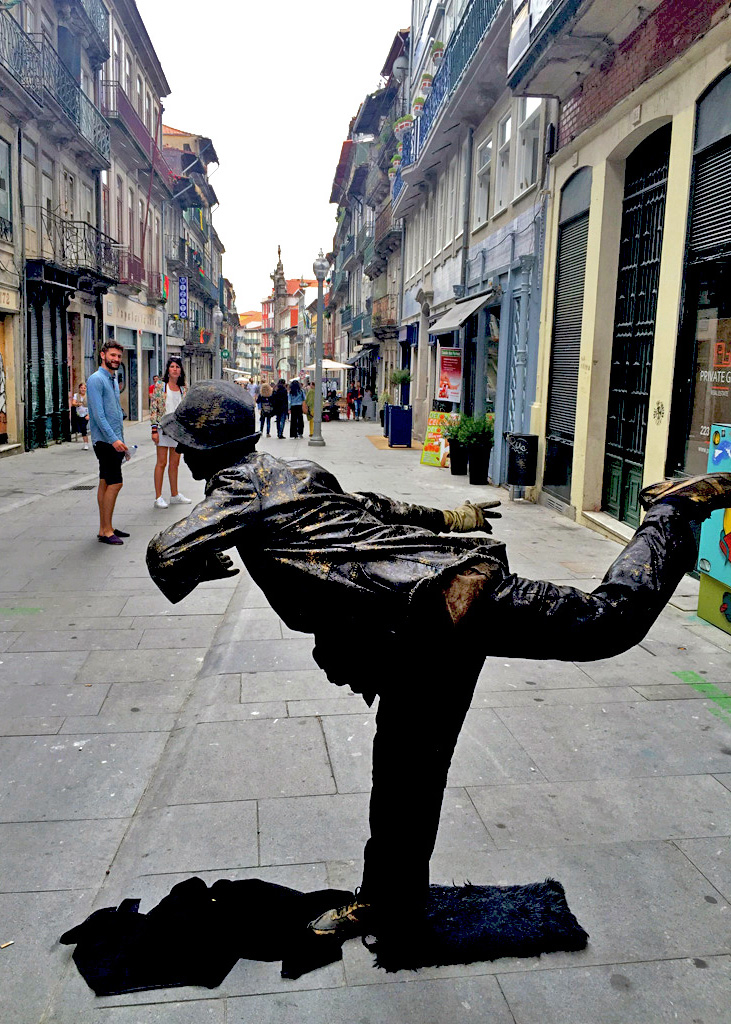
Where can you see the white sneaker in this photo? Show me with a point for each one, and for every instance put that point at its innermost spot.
(86, 448)
(180, 499)
(160, 502)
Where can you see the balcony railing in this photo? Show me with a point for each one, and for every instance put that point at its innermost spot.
(348, 251)
(155, 286)
(362, 325)
(385, 226)
(76, 105)
(131, 269)
(175, 249)
(19, 55)
(346, 315)
(385, 311)
(364, 236)
(98, 15)
(476, 22)
(118, 106)
(76, 245)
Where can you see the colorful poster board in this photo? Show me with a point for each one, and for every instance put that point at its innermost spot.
(450, 375)
(436, 450)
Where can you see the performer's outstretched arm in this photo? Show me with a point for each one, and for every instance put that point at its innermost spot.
(190, 552)
(460, 520)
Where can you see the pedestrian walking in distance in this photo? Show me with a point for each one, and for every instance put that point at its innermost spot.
(80, 415)
(296, 402)
(310, 399)
(107, 437)
(266, 409)
(280, 404)
(166, 397)
(329, 561)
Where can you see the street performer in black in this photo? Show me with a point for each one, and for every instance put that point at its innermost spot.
(329, 561)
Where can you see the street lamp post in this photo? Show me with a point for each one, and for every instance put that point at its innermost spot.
(217, 322)
(320, 268)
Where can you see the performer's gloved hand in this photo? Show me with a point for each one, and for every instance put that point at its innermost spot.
(470, 516)
(219, 567)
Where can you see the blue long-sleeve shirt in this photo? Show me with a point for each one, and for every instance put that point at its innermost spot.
(105, 409)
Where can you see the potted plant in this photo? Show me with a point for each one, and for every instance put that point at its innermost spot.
(457, 451)
(392, 172)
(399, 377)
(418, 105)
(427, 80)
(396, 161)
(476, 434)
(402, 125)
(437, 51)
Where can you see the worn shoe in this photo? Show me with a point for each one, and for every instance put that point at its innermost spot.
(344, 922)
(180, 499)
(110, 540)
(699, 494)
(160, 502)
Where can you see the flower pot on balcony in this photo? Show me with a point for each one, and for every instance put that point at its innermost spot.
(427, 81)
(402, 125)
(396, 163)
(437, 52)
(400, 149)
(392, 172)
(418, 106)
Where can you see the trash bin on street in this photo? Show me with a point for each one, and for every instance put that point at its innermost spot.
(399, 426)
(522, 458)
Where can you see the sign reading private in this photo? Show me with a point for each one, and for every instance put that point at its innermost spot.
(450, 375)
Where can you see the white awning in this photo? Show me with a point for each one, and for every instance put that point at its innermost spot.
(453, 319)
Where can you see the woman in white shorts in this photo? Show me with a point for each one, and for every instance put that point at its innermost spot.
(166, 398)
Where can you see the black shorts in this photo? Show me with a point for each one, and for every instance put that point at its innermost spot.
(110, 462)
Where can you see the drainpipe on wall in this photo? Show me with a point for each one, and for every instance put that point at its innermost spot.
(23, 332)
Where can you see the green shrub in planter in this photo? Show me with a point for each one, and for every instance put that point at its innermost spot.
(399, 377)
(476, 433)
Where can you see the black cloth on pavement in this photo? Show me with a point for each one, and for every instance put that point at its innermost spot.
(195, 935)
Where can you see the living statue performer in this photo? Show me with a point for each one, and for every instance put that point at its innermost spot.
(436, 606)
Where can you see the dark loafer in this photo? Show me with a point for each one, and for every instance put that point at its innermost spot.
(110, 540)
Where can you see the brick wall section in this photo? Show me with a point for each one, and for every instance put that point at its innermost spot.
(666, 34)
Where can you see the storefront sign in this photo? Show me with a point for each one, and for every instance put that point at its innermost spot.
(436, 448)
(9, 300)
(450, 375)
(124, 312)
(183, 297)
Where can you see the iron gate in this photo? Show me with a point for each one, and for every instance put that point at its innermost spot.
(643, 216)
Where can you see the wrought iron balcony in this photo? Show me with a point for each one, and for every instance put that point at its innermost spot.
(346, 315)
(131, 269)
(387, 234)
(362, 325)
(20, 56)
(347, 252)
(60, 85)
(364, 236)
(385, 311)
(175, 249)
(98, 17)
(476, 22)
(76, 245)
(155, 286)
(119, 109)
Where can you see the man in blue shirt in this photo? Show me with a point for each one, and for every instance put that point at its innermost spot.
(107, 437)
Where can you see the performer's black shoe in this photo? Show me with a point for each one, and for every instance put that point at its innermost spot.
(344, 922)
(699, 495)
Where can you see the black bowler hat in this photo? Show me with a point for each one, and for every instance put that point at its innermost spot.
(212, 414)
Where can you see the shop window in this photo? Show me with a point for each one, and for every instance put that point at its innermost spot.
(529, 121)
(483, 181)
(502, 173)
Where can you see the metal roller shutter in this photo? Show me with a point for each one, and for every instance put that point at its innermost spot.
(566, 345)
(710, 228)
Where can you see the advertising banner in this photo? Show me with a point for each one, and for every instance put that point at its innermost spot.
(450, 375)
(183, 297)
(436, 449)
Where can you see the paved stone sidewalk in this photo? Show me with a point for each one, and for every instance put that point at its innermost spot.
(142, 742)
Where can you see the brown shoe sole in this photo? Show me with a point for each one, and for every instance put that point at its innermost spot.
(712, 487)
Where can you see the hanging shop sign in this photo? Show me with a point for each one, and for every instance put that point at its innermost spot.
(436, 448)
(183, 297)
(450, 375)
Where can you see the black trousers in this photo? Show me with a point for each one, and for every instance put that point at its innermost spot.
(420, 716)
(296, 421)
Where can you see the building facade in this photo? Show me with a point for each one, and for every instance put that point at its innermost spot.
(635, 351)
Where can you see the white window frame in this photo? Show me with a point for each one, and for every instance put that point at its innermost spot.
(483, 181)
(528, 145)
(502, 162)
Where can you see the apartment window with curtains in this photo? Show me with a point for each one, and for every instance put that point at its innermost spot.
(128, 75)
(69, 195)
(116, 57)
(502, 171)
(148, 112)
(140, 109)
(131, 220)
(450, 227)
(88, 211)
(106, 227)
(459, 164)
(483, 182)
(529, 123)
(141, 219)
(120, 211)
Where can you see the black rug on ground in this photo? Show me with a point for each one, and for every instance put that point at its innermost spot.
(464, 924)
(195, 935)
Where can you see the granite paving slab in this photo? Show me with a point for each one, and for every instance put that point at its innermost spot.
(250, 760)
(48, 855)
(712, 857)
(44, 667)
(151, 697)
(140, 666)
(418, 1002)
(604, 811)
(251, 655)
(308, 684)
(167, 622)
(204, 602)
(240, 712)
(29, 726)
(77, 640)
(209, 690)
(43, 606)
(690, 991)
(34, 921)
(523, 673)
(250, 624)
(622, 740)
(50, 699)
(531, 696)
(122, 721)
(313, 828)
(71, 777)
(634, 666)
(196, 634)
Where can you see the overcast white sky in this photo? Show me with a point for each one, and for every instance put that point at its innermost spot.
(274, 85)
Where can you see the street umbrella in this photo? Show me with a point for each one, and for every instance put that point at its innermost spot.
(330, 364)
